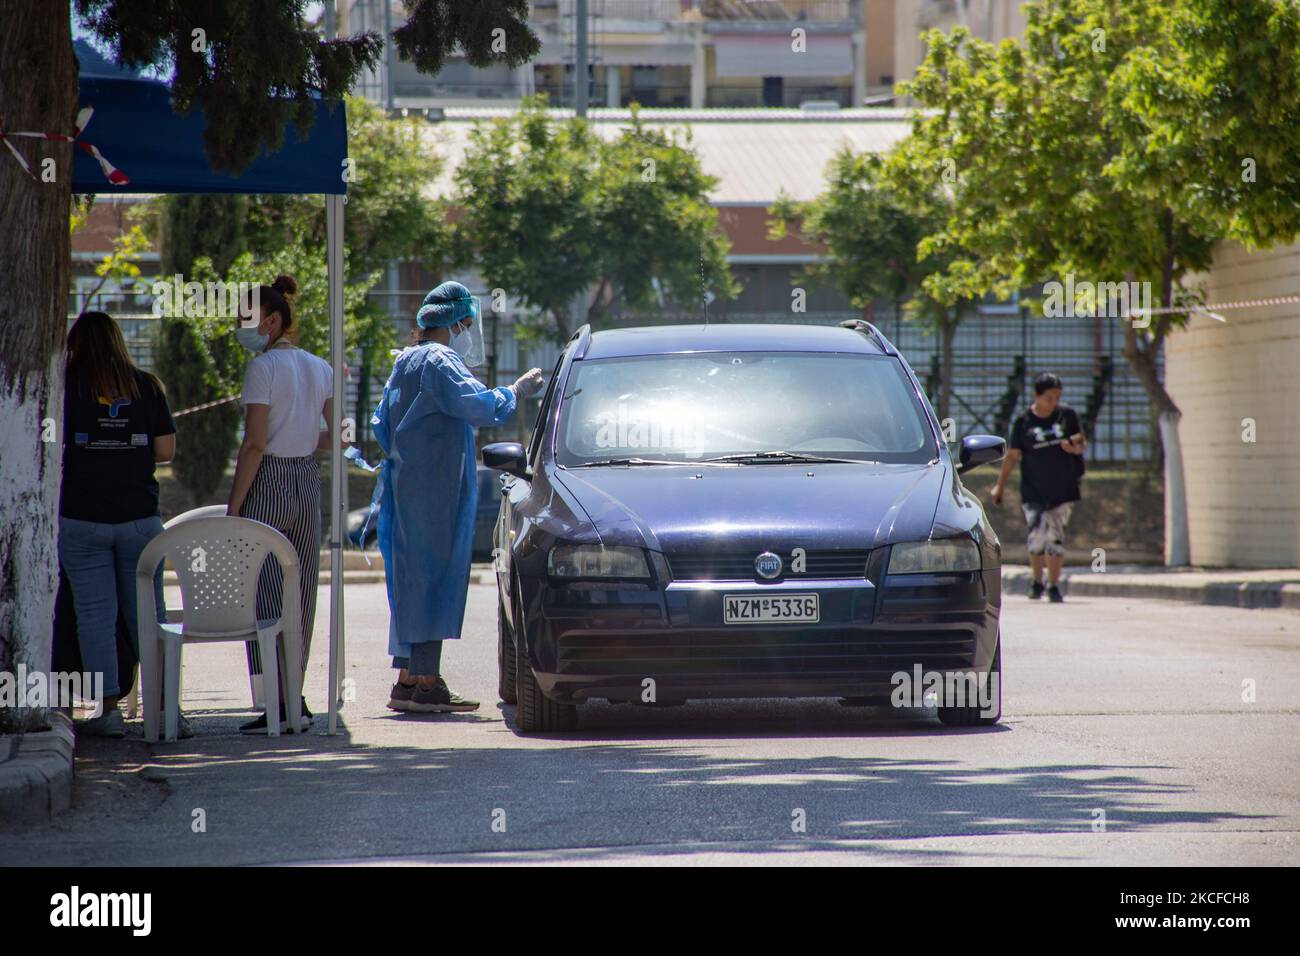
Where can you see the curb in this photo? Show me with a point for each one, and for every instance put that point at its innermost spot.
(1228, 593)
(36, 773)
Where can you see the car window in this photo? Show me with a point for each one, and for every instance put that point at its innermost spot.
(707, 404)
(535, 442)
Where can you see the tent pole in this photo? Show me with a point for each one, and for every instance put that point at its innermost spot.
(338, 477)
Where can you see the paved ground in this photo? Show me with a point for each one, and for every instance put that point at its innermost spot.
(1129, 707)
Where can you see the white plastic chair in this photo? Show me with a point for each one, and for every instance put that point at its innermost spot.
(173, 616)
(218, 561)
(207, 511)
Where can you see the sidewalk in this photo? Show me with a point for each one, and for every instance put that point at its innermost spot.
(1240, 587)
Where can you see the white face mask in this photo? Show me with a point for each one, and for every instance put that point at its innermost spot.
(468, 344)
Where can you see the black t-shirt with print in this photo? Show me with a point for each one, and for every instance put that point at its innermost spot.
(1049, 475)
(108, 452)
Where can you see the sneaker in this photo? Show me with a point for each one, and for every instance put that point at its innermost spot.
(399, 698)
(107, 724)
(438, 699)
(1054, 595)
(258, 725)
(1036, 590)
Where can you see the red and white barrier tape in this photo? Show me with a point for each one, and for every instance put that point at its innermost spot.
(1219, 306)
(199, 408)
(111, 172)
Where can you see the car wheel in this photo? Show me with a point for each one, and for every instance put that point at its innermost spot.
(506, 659)
(974, 716)
(537, 713)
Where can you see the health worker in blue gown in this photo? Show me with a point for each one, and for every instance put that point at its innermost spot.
(428, 489)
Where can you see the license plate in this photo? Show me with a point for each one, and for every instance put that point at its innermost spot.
(774, 609)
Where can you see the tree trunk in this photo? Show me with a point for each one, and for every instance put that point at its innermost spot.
(1142, 359)
(1177, 544)
(38, 90)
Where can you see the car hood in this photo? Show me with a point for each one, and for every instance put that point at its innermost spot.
(826, 506)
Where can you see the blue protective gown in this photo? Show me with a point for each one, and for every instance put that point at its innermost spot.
(429, 489)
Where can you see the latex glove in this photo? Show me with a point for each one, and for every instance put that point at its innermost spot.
(529, 384)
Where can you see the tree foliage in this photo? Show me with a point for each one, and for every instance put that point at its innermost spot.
(251, 66)
(1209, 119)
(551, 209)
(870, 224)
(193, 226)
(389, 215)
(1034, 130)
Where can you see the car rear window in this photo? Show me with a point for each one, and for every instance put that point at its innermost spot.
(700, 405)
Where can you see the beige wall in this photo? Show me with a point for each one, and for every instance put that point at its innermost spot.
(1243, 499)
(992, 20)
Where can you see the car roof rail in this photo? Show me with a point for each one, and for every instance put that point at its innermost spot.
(871, 332)
(583, 338)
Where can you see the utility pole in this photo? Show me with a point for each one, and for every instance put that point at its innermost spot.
(388, 56)
(580, 59)
(580, 109)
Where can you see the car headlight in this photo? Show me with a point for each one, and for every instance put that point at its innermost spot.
(935, 556)
(573, 562)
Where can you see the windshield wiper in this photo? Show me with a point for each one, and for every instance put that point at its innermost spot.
(627, 461)
(779, 457)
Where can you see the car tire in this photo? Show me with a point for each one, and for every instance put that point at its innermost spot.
(973, 716)
(507, 661)
(537, 713)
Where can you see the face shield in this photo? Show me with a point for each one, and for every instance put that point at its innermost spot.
(468, 342)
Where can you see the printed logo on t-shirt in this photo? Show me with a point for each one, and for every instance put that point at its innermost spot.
(1044, 437)
(139, 439)
(115, 405)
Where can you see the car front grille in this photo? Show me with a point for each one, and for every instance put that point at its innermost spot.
(739, 565)
(778, 651)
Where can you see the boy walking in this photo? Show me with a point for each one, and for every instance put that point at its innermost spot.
(1048, 442)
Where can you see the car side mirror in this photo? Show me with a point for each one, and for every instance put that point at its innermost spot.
(980, 450)
(507, 456)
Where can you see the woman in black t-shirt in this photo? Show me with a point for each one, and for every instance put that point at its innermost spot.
(116, 426)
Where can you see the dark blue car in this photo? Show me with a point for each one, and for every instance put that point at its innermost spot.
(742, 511)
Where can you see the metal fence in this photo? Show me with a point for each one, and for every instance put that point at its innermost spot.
(997, 357)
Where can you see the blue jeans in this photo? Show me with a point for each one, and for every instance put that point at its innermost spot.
(99, 560)
(425, 659)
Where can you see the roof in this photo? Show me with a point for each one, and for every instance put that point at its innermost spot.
(718, 337)
(756, 154)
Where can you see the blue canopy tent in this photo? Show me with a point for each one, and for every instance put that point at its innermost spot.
(134, 128)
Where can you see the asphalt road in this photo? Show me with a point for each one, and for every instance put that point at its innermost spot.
(1117, 711)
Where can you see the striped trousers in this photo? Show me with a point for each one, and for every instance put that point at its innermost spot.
(286, 495)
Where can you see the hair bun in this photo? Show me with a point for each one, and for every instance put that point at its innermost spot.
(285, 285)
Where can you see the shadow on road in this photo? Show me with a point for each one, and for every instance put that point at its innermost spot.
(314, 797)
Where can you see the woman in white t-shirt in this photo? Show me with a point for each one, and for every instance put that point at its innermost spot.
(277, 476)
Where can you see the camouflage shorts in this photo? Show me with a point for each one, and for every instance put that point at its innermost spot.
(1047, 527)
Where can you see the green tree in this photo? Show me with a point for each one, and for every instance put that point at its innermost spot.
(390, 218)
(551, 210)
(870, 225)
(1209, 120)
(1034, 131)
(201, 225)
(658, 235)
(248, 50)
(201, 362)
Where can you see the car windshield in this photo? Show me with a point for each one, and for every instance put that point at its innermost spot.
(742, 405)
